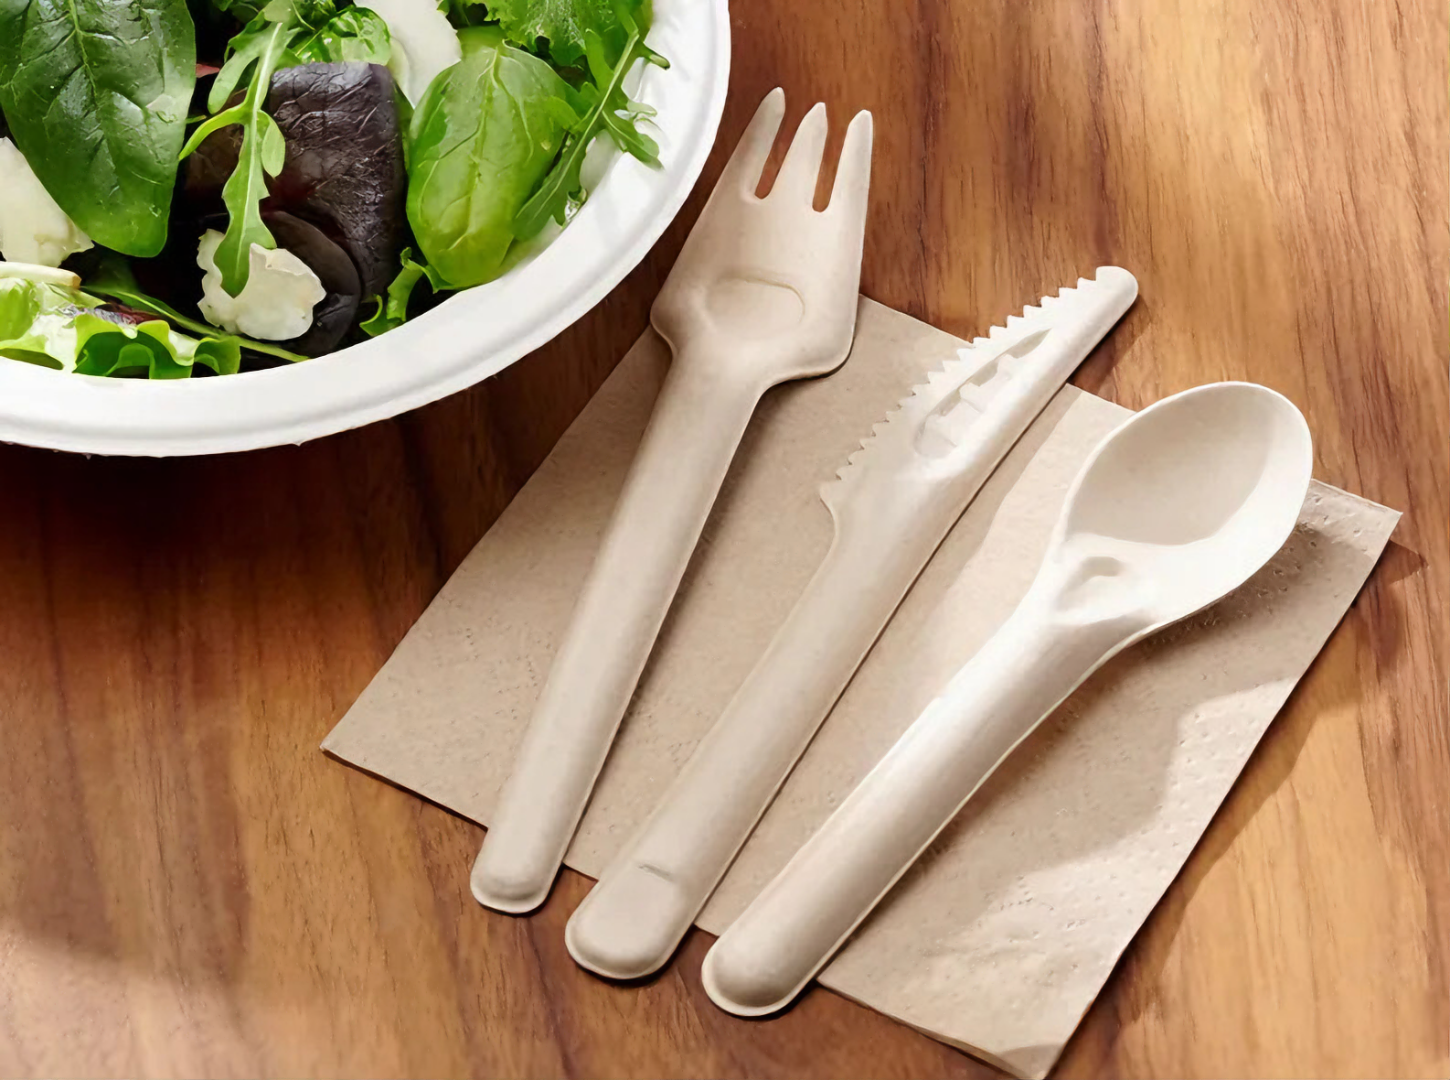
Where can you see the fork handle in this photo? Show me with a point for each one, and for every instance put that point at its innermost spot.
(697, 424)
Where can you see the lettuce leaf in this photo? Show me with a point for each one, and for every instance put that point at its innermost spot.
(61, 328)
(564, 24)
(46, 342)
(152, 349)
(355, 33)
(37, 321)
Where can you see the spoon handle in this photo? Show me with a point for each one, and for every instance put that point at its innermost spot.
(696, 426)
(806, 913)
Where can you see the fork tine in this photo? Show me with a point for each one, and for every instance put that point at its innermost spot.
(802, 165)
(748, 160)
(853, 174)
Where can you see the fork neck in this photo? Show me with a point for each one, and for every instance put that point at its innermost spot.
(717, 371)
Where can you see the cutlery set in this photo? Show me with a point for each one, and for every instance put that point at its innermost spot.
(1174, 510)
(892, 504)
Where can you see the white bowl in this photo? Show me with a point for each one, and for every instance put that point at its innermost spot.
(471, 336)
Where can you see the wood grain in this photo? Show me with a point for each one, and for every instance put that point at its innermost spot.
(188, 888)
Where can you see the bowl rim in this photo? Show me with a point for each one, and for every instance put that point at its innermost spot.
(472, 335)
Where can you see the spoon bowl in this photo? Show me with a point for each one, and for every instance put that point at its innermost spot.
(1194, 493)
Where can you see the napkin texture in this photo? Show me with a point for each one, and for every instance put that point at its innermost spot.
(1001, 936)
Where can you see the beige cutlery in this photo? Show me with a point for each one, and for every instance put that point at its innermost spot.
(892, 505)
(1173, 510)
(764, 291)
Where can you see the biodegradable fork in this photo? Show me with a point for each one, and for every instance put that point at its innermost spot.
(1173, 510)
(764, 291)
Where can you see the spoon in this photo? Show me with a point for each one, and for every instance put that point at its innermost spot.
(1174, 509)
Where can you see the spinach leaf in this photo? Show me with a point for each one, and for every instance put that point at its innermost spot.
(96, 93)
(484, 135)
(607, 109)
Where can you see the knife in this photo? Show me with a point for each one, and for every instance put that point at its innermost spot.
(893, 503)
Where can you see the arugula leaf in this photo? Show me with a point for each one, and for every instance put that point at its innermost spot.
(263, 152)
(113, 279)
(303, 19)
(618, 113)
(316, 36)
(484, 135)
(244, 50)
(607, 109)
(565, 24)
(393, 311)
(96, 93)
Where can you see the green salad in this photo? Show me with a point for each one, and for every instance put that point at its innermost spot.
(208, 186)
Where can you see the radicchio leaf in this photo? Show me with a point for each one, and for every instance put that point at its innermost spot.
(344, 171)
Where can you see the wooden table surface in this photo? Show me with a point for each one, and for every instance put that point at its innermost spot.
(189, 888)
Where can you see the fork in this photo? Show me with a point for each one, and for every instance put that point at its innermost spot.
(764, 291)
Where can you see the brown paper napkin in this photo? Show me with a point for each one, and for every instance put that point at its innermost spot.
(1002, 935)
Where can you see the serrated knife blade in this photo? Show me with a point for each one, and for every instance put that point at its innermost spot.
(893, 503)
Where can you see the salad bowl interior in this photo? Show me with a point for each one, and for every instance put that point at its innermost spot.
(472, 335)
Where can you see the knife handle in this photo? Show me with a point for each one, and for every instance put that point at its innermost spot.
(789, 932)
(697, 423)
(634, 918)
